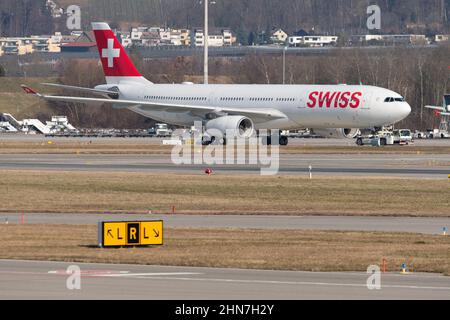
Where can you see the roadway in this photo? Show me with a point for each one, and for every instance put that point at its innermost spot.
(165, 52)
(47, 280)
(333, 223)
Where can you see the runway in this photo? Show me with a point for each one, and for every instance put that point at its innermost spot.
(431, 166)
(47, 280)
(334, 223)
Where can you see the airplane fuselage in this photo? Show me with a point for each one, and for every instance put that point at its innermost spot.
(312, 106)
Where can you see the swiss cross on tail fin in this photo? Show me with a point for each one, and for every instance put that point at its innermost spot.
(115, 60)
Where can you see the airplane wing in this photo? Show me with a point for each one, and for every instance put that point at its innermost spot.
(435, 108)
(105, 93)
(255, 114)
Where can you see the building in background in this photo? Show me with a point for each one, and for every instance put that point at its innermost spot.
(390, 39)
(312, 41)
(278, 36)
(441, 38)
(83, 43)
(29, 45)
(217, 37)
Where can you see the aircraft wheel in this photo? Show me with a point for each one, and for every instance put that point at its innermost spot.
(284, 141)
(359, 142)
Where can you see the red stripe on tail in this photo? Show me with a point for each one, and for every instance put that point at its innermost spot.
(115, 60)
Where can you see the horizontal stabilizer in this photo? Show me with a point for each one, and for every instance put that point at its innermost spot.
(107, 93)
(435, 108)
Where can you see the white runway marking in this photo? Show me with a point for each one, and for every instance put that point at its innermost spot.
(331, 284)
(146, 275)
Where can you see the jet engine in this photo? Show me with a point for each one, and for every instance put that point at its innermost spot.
(338, 133)
(234, 126)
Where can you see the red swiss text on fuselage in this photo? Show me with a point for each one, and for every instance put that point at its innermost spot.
(336, 99)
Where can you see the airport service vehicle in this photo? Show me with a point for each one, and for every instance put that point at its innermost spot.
(442, 132)
(438, 133)
(402, 136)
(380, 138)
(444, 112)
(239, 110)
(419, 135)
(162, 130)
(386, 137)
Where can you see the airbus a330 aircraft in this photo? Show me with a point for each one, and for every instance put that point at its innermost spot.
(243, 109)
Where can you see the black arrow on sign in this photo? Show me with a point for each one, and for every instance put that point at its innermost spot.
(156, 233)
(110, 233)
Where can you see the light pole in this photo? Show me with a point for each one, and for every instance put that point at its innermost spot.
(284, 64)
(205, 45)
(206, 42)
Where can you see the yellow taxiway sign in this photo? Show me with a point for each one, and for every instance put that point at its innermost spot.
(130, 233)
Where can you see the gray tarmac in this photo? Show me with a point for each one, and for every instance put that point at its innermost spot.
(360, 164)
(47, 280)
(436, 166)
(333, 223)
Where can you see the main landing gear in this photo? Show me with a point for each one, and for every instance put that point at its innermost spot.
(283, 140)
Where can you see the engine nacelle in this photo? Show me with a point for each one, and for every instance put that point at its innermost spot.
(237, 126)
(338, 133)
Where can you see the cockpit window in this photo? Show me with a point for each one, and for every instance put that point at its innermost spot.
(390, 99)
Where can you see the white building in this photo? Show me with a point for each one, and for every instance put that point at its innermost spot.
(126, 41)
(441, 38)
(165, 35)
(414, 39)
(217, 38)
(136, 33)
(313, 41)
(228, 38)
(279, 36)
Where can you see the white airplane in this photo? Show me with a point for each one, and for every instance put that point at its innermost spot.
(444, 110)
(242, 109)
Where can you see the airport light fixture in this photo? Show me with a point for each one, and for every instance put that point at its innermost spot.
(206, 42)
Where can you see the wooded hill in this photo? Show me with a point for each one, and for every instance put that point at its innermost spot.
(341, 17)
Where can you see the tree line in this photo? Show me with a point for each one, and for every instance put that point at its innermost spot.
(25, 18)
(245, 17)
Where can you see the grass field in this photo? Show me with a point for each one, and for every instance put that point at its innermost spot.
(258, 249)
(13, 99)
(41, 191)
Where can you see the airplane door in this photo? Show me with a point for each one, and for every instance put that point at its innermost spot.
(365, 105)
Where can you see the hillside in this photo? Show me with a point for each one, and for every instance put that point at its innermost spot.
(21, 17)
(245, 16)
(13, 99)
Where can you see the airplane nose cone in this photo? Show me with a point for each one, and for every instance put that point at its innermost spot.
(402, 110)
(405, 110)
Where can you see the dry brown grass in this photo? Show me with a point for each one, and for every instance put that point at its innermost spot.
(258, 249)
(41, 191)
(14, 100)
(86, 146)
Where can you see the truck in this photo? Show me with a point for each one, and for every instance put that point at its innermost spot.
(161, 130)
(379, 138)
(442, 132)
(402, 136)
(386, 137)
